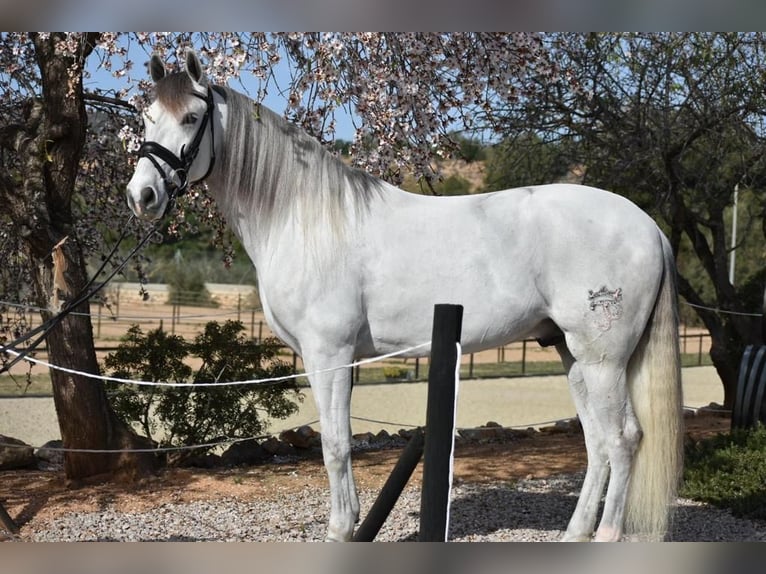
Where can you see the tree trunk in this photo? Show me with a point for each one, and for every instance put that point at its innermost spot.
(51, 152)
(86, 420)
(726, 363)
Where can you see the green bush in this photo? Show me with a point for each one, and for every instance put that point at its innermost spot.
(192, 416)
(395, 372)
(453, 185)
(729, 471)
(186, 281)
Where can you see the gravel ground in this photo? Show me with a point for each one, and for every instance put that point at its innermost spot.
(528, 511)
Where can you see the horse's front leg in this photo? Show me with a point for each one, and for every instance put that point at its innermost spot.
(332, 394)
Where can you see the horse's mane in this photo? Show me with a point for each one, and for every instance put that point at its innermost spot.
(273, 169)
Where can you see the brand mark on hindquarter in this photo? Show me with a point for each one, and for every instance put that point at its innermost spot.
(607, 306)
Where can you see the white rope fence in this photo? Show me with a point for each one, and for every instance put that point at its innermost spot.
(723, 311)
(269, 380)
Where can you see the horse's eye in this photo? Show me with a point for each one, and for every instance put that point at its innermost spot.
(189, 119)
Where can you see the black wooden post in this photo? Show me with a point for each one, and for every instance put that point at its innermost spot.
(440, 423)
(7, 521)
(391, 490)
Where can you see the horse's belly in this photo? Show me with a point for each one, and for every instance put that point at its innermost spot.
(489, 319)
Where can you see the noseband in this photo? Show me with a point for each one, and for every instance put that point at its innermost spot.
(177, 181)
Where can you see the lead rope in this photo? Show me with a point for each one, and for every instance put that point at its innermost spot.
(85, 293)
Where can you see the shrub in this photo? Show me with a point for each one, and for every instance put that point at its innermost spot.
(729, 471)
(186, 282)
(192, 416)
(453, 185)
(396, 372)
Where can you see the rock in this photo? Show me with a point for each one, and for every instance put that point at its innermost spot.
(301, 438)
(52, 456)
(554, 429)
(15, 454)
(515, 434)
(407, 434)
(383, 436)
(362, 439)
(48, 459)
(571, 426)
(714, 409)
(276, 447)
(202, 461)
(482, 435)
(245, 452)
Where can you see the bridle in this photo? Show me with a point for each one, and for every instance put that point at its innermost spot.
(177, 180)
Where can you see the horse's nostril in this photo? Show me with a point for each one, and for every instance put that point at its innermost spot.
(148, 197)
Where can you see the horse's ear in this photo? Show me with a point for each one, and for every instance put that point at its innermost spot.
(156, 68)
(194, 67)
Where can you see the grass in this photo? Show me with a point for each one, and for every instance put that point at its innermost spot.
(729, 471)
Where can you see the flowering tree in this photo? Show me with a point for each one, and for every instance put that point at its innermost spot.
(63, 183)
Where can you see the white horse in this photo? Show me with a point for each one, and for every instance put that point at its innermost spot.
(349, 266)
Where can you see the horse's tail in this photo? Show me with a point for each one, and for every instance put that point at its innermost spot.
(654, 379)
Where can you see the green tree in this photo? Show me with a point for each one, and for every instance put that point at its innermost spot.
(470, 149)
(452, 185)
(526, 160)
(674, 121)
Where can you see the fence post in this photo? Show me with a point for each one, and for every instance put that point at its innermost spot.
(7, 521)
(98, 325)
(524, 357)
(440, 423)
(391, 490)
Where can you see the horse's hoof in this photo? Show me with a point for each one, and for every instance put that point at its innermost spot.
(575, 538)
(608, 534)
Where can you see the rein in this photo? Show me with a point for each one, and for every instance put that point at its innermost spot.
(88, 291)
(177, 181)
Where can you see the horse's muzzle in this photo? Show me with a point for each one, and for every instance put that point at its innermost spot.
(146, 204)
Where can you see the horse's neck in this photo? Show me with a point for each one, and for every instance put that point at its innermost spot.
(301, 232)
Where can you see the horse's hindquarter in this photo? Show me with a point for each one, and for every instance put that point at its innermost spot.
(513, 259)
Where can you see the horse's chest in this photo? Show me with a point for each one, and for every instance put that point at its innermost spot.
(279, 322)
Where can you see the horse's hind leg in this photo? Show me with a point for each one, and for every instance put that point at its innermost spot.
(613, 419)
(332, 394)
(583, 520)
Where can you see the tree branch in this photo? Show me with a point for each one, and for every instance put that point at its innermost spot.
(108, 100)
